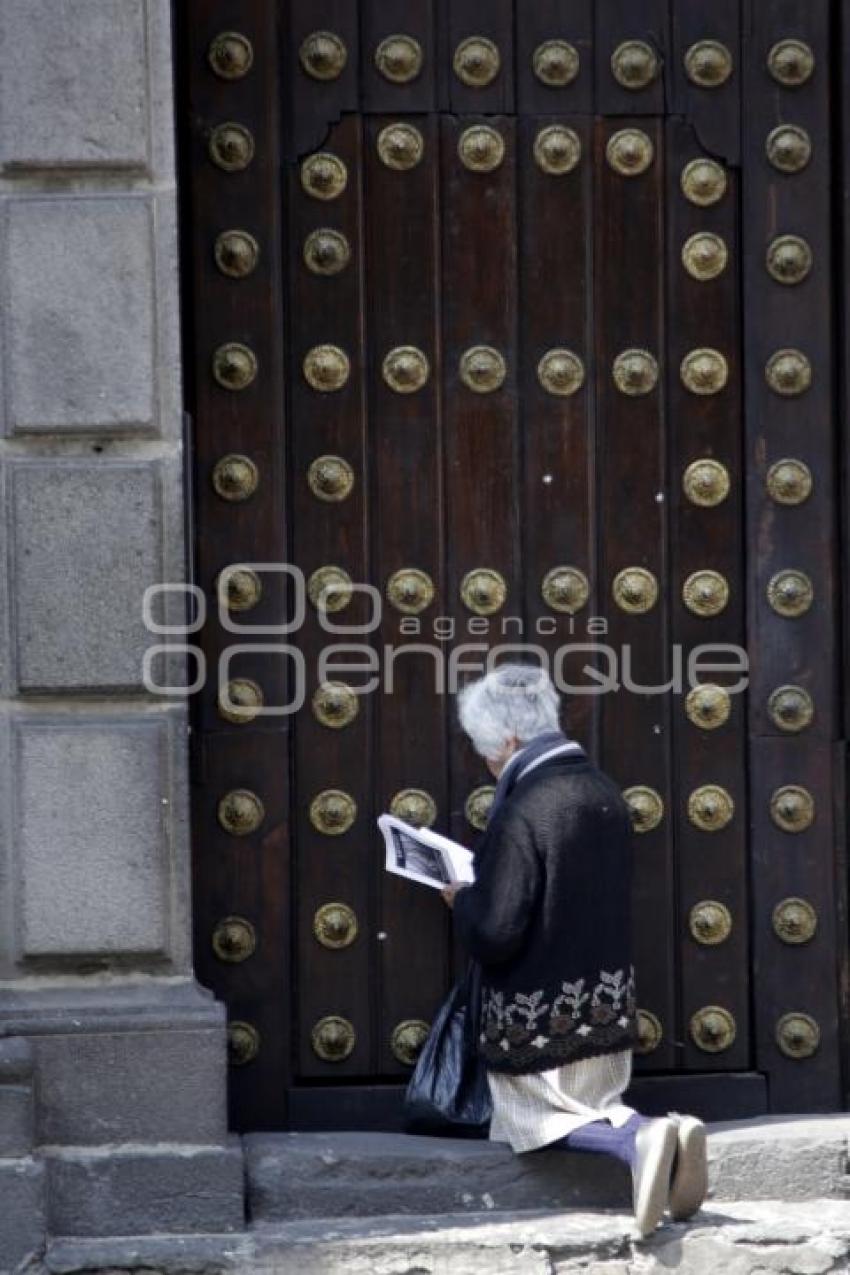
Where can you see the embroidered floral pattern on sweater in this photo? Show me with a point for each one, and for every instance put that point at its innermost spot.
(580, 1017)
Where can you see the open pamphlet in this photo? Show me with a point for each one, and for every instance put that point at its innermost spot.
(422, 855)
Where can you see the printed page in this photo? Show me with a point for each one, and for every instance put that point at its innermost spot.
(424, 856)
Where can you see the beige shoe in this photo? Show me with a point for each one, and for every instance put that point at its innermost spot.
(655, 1147)
(690, 1176)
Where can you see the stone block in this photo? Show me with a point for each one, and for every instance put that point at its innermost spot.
(22, 1221)
(92, 838)
(145, 1190)
(779, 1158)
(16, 1121)
(17, 1112)
(74, 84)
(87, 540)
(302, 1175)
(153, 1085)
(80, 340)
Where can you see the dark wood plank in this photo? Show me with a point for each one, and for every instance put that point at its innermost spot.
(380, 19)
(540, 21)
(799, 978)
(246, 310)
(479, 251)
(311, 105)
(799, 650)
(495, 22)
(631, 528)
(711, 865)
(620, 21)
(405, 447)
(328, 309)
(248, 877)
(714, 112)
(558, 437)
(238, 876)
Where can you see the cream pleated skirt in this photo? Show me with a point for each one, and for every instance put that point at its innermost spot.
(532, 1110)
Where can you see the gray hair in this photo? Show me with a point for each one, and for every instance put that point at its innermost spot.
(513, 700)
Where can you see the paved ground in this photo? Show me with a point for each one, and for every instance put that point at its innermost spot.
(743, 1238)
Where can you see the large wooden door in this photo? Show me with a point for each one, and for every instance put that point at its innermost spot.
(522, 314)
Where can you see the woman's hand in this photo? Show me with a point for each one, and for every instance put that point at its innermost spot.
(449, 891)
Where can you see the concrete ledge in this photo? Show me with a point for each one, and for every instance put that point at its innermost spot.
(752, 1238)
(144, 1190)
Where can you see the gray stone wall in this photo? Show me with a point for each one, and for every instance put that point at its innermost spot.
(95, 965)
(95, 856)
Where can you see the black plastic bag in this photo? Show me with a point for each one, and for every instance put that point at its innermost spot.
(448, 1093)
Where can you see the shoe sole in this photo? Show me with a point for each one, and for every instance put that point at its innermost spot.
(690, 1181)
(656, 1182)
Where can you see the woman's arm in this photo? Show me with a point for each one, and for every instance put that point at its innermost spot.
(492, 915)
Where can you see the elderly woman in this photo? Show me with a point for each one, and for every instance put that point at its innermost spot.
(549, 919)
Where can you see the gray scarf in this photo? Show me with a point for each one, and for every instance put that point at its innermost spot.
(552, 743)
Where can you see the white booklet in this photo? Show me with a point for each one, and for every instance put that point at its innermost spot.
(422, 855)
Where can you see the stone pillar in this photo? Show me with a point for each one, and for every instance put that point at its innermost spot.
(95, 966)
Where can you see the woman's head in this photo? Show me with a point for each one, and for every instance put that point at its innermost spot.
(506, 709)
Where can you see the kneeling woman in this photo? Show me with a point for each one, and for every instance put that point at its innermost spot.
(549, 919)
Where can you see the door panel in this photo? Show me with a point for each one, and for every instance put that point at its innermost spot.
(708, 733)
(510, 352)
(326, 343)
(629, 309)
(406, 475)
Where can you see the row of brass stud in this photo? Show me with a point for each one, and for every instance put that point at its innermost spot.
(713, 1029)
(484, 591)
(481, 148)
(476, 61)
(704, 255)
(483, 370)
(240, 812)
(794, 921)
(332, 1038)
(337, 705)
(556, 149)
(335, 925)
(705, 481)
(710, 807)
(788, 258)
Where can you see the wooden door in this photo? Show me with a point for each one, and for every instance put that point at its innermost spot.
(512, 325)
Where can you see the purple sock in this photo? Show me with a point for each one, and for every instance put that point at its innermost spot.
(601, 1136)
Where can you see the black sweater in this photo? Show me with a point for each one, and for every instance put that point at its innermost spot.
(549, 919)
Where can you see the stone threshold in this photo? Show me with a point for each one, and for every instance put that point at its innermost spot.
(800, 1238)
(350, 1174)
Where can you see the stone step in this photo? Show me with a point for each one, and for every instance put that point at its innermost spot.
(742, 1238)
(338, 1175)
(140, 1189)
